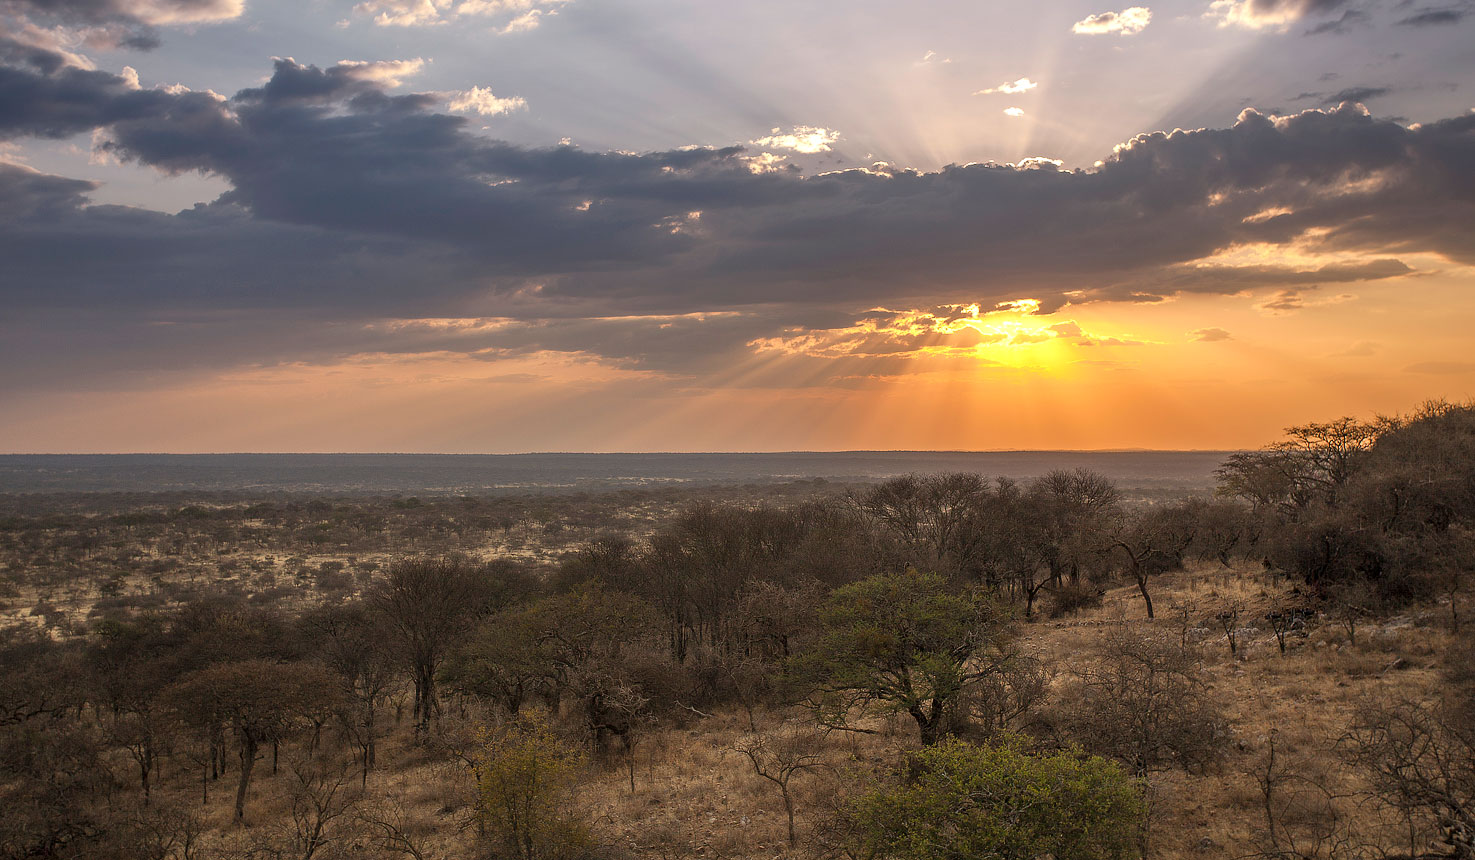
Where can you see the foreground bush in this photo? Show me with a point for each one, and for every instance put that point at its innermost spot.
(524, 772)
(1000, 802)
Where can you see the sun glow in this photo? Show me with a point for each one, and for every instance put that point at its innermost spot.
(1012, 334)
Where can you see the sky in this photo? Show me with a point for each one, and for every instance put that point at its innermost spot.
(665, 225)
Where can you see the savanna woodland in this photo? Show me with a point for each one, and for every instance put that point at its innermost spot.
(935, 667)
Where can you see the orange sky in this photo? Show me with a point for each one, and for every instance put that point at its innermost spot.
(1379, 348)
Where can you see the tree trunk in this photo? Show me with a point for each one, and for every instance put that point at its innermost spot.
(1146, 598)
(248, 761)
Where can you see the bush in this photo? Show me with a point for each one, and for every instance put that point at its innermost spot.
(1072, 597)
(1142, 701)
(998, 801)
(524, 772)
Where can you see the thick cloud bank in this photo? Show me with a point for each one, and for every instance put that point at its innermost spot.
(349, 204)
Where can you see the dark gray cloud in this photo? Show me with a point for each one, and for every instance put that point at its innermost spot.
(1438, 16)
(1350, 19)
(1350, 94)
(1293, 8)
(114, 23)
(41, 95)
(350, 205)
(92, 12)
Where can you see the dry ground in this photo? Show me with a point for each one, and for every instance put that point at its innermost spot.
(695, 797)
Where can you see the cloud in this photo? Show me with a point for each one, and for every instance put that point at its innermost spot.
(51, 24)
(1210, 335)
(805, 139)
(1023, 85)
(1355, 94)
(480, 100)
(1128, 22)
(1014, 111)
(1349, 20)
(1260, 14)
(1436, 17)
(99, 12)
(376, 206)
(525, 14)
(1290, 301)
(524, 23)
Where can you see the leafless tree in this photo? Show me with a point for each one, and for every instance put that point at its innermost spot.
(779, 756)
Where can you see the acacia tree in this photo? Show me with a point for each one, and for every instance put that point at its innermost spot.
(780, 757)
(905, 641)
(524, 772)
(1074, 512)
(259, 700)
(1154, 541)
(936, 518)
(1142, 700)
(428, 603)
(351, 646)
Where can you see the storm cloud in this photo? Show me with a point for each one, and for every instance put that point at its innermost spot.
(376, 207)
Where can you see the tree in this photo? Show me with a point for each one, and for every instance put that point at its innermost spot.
(524, 772)
(350, 644)
(935, 518)
(1141, 700)
(428, 603)
(904, 640)
(1074, 511)
(260, 700)
(999, 802)
(1420, 756)
(1153, 541)
(779, 757)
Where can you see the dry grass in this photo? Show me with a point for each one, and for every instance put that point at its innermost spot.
(695, 797)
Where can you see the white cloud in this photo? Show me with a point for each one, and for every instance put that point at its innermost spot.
(1127, 22)
(423, 13)
(524, 23)
(1023, 85)
(163, 12)
(765, 162)
(1014, 111)
(390, 73)
(932, 56)
(1240, 13)
(481, 100)
(404, 13)
(806, 139)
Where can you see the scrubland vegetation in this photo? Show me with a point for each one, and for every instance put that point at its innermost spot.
(937, 667)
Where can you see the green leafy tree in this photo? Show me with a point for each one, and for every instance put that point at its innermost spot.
(524, 772)
(968, 802)
(907, 642)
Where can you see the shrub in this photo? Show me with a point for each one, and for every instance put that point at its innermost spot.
(1072, 597)
(998, 801)
(524, 772)
(1142, 701)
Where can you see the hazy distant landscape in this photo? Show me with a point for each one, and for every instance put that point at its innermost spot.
(1185, 471)
(814, 656)
(1104, 374)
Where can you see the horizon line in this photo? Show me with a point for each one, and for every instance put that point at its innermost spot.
(1128, 450)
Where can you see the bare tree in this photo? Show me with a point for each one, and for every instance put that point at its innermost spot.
(779, 757)
(1141, 700)
(428, 603)
(321, 792)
